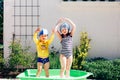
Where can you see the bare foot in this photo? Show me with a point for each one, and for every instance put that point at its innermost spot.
(67, 76)
(47, 76)
(37, 75)
(62, 76)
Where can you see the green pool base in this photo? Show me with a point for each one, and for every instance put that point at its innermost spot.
(30, 74)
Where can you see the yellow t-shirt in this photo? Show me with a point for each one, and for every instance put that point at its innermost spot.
(42, 47)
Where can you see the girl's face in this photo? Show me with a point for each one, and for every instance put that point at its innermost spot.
(43, 37)
(64, 31)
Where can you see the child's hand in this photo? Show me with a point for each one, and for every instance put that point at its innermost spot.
(66, 19)
(37, 30)
(53, 30)
(60, 20)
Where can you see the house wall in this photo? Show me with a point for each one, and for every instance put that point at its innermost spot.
(100, 19)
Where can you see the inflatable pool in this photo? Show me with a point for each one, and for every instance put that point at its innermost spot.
(30, 74)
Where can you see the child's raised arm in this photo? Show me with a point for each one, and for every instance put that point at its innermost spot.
(72, 24)
(52, 36)
(35, 35)
(56, 28)
(37, 30)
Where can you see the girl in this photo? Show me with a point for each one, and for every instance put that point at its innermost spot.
(65, 36)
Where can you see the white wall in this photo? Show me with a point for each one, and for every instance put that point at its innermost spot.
(8, 25)
(100, 19)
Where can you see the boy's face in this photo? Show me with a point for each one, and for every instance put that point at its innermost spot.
(43, 37)
(64, 31)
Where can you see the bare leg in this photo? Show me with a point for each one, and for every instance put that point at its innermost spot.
(39, 67)
(46, 68)
(63, 65)
(68, 66)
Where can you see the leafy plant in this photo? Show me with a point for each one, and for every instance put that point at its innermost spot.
(81, 51)
(1, 35)
(97, 59)
(104, 69)
(1, 57)
(54, 58)
(20, 55)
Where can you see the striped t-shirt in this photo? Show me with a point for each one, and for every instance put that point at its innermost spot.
(66, 45)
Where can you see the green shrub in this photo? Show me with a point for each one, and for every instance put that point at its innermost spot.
(80, 52)
(1, 57)
(104, 69)
(97, 59)
(54, 59)
(20, 55)
(1, 60)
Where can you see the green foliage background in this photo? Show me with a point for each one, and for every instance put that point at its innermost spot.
(1, 34)
(80, 52)
(103, 69)
(20, 55)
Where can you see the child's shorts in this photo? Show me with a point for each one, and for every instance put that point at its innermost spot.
(43, 60)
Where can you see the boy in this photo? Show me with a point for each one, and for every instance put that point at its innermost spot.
(42, 45)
